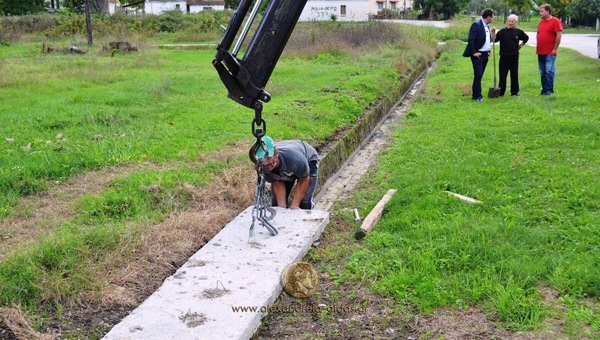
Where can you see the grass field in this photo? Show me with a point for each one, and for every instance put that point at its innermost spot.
(533, 161)
(161, 120)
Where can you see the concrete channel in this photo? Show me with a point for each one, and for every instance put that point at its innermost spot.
(226, 288)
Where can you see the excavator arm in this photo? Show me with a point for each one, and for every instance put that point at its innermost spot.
(246, 78)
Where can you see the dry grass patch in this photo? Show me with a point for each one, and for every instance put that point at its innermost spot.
(164, 247)
(148, 253)
(16, 322)
(42, 213)
(452, 324)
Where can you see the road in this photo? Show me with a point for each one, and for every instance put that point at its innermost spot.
(585, 44)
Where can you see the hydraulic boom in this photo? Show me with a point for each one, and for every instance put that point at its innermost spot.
(246, 78)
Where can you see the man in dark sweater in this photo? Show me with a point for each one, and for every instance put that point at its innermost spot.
(511, 40)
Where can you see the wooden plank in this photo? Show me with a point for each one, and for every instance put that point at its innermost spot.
(373, 217)
(463, 197)
(356, 215)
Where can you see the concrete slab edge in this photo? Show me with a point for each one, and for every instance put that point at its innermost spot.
(212, 295)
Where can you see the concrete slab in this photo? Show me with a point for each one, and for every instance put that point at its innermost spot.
(205, 297)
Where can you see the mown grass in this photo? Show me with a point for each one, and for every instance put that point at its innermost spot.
(62, 115)
(532, 160)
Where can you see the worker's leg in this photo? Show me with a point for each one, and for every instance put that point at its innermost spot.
(307, 202)
(288, 190)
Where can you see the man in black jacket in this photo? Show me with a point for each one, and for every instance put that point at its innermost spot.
(511, 40)
(481, 36)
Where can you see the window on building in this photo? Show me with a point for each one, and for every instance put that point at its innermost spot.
(178, 7)
(207, 8)
(343, 10)
(379, 6)
(393, 5)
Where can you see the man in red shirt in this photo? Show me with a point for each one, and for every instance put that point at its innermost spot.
(549, 34)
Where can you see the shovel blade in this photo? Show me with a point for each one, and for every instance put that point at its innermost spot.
(494, 92)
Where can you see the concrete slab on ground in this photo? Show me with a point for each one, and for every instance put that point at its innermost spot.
(229, 272)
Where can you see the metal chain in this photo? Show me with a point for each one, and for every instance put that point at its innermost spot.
(262, 210)
(258, 121)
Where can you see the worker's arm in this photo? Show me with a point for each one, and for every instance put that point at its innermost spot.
(556, 44)
(301, 189)
(279, 191)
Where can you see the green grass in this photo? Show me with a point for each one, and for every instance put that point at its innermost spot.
(532, 160)
(67, 114)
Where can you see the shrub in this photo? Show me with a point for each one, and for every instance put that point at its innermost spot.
(201, 25)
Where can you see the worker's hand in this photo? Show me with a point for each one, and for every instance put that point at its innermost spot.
(493, 29)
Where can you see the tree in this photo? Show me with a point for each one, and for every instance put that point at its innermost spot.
(21, 7)
(439, 9)
(433, 9)
(76, 6)
(560, 8)
(587, 10)
(520, 7)
(233, 4)
(88, 22)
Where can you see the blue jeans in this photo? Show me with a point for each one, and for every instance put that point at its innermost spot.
(547, 71)
(479, 65)
(307, 202)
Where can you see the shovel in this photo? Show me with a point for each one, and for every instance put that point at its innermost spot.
(494, 92)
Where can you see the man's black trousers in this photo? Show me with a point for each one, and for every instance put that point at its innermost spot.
(509, 64)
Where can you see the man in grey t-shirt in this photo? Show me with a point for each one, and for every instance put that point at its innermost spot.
(287, 163)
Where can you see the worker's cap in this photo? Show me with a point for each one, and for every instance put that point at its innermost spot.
(267, 146)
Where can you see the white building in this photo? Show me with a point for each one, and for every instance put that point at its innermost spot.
(195, 6)
(185, 6)
(376, 6)
(342, 10)
(319, 10)
(161, 6)
(350, 10)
